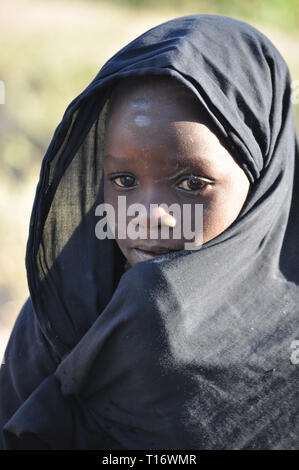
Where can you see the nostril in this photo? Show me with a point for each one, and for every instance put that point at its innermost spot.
(158, 216)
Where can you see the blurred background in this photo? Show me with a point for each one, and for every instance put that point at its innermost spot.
(50, 51)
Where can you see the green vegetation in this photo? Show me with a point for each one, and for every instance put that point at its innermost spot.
(281, 13)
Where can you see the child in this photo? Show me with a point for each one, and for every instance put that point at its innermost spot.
(183, 162)
(141, 343)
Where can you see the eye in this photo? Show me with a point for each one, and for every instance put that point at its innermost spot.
(124, 181)
(194, 183)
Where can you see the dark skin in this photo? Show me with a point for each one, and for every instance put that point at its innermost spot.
(160, 148)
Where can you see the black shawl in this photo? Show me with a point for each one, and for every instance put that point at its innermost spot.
(191, 350)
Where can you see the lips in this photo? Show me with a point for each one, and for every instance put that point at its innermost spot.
(140, 255)
(148, 252)
(153, 249)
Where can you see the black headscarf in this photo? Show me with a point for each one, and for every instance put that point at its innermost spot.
(191, 350)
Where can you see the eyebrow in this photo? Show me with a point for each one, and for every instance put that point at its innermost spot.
(180, 160)
(181, 164)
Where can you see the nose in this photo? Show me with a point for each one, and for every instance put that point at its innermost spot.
(155, 215)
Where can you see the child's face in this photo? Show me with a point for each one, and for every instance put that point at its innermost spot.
(159, 149)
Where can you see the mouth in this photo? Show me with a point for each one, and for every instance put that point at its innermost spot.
(143, 254)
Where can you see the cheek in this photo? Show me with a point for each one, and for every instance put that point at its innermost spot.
(109, 195)
(110, 198)
(222, 209)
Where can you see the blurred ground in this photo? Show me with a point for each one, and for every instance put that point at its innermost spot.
(50, 51)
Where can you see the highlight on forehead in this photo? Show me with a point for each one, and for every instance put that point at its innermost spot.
(140, 104)
(142, 121)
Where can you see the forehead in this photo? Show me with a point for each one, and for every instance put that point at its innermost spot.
(162, 95)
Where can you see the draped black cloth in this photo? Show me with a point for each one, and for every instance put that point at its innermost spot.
(193, 349)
